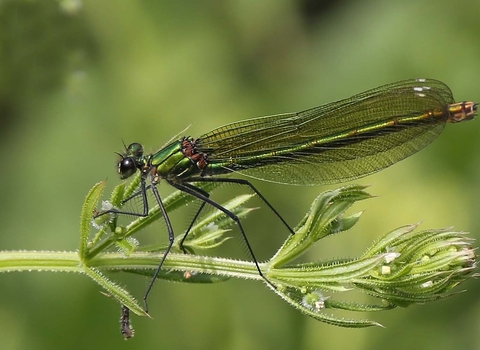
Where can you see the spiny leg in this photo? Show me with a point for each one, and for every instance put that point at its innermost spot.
(197, 214)
(189, 189)
(171, 238)
(142, 192)
(136, 194)
(244, 182)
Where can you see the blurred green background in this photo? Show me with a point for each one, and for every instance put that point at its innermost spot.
(78, 77)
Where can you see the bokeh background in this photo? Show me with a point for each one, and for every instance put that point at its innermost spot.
(78, 77)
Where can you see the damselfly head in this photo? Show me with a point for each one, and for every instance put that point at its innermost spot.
(127, 167)
(135, 150)
(130, 161)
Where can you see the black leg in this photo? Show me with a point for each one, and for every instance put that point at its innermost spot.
(171, 237)
(197, 214)
(205, 198)
(136, 194)
(142, 192)
(244, 183)
(195, 193)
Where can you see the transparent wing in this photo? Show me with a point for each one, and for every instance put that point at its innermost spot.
(336, 142)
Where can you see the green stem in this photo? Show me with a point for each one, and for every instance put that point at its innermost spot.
(178, 262)
(40, 261)
(70, 261)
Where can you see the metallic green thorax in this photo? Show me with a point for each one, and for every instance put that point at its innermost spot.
(175, 161)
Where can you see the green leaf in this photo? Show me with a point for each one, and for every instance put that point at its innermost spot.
(86, 215)
(210, 230)
(314, 304)
(115, 291)
(324, 218)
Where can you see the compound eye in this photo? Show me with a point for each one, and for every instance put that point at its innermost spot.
(135, 150)
(127, 167)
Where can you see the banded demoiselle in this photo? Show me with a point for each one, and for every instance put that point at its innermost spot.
(333, 143)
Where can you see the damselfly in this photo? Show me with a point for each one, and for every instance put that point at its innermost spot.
(333, 143)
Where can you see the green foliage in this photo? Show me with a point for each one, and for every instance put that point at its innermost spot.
(401, 268)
